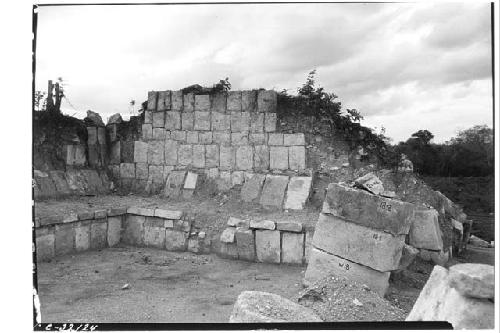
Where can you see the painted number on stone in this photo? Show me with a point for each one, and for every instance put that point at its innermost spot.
(385, 206)
(346, 266)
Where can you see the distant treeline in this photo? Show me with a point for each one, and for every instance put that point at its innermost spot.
(469, 154)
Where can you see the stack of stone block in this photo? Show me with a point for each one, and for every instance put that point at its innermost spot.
(263, 241)
(359, 236)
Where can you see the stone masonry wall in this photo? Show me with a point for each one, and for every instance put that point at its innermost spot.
(216, 134)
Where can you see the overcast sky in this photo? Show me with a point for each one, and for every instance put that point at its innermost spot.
(403, 66)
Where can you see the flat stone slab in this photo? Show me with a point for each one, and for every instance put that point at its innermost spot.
(191, 180)
(368, 210)
(252, 188)
(322, 264)
(292, 248)
(267, 244)
(227, 235)
(264, 224)
(262, 307)
(174, 184)
(299, 189)
(168, 214)
(273, 191)
(424, 230)
(245, 243)
(289, 226)
(373, 248)
(473, 280)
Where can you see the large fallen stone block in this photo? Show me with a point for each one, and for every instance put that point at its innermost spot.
(298, 192)
(371, 183)
(251, 188)
(322, 264)
(367, 209)
(273, 191)
(267, 244)
(262, 307)
(424, 231)
(373, 248)
(473, 280)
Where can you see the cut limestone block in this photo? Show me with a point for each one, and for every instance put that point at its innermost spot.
(371, 183)
(175, 240)
(373, 248)
(224, 182)
(199, 156)
(176, 97)
(82, 237)
(221, 121)
(140, 152)
(473, 280)
(114, 154)
(46, 186)
(194, 245)
(141, 171)
(273, 191)
(264, 224)
(289, 226)
(64, 239)
(275, 139)
(202, 102)
(174, 184)
(189, 102)
(222, 138)
(227, 157)
(234, 101)
(227, 235)
(262, 307)
(45, 247)
(322, 264)
(297, 158)
(251, 188)
(424, 230)
(235, 222)
(270, 120)
(159, 134)
(244, 158)
(92, 135)
(148, 117)
(159, 119)
(168, 214)
(133, 233)
(261, 158)
(249, 100)
(267, 244)
(407, 256)
(156, 174)
(60, 182)
(298, 192)
(369, 210)
(257, 138)
(237, 178)
(191, 180)
(205, 138)
(114, 230)
(147, 131)
(278, 157)
(257, 123)
(292, 248)
(172, 120)
(185, 155)
(98, 234)
(156, 150)
(154, 236)
(245, 243)
(295, 139)
(201, 121)
(219, 101)
(152, 100)
(191, 136)
(163, 101)
(239, 138)
(267, 101)
(211, 156)
(187, 121)
(170, 152)
(308, 245)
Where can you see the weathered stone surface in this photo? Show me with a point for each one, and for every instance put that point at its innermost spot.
(239, 138)
(308, 245)
(263, 224)
(140, 152)
(267, 101)
(64, 239)
(298, 192)
(278, 157)
(270, 120)
(424, 230)
(101, 135)
(221, 121)
(194, 245)
(147, 131)
(370, 247)
(240, 121)
(225, 250)
(45, 247)
(273, 191)
(174, 184)
(237, 178)
(94, 156)
(244, 158)
(202, 121)
(159, 119)
(163, 101)
(371, 183)
(154, 236)
(224, 182)
(245, 243)
(202, 102)
(292, 248)
(369, 210)
(297, 158)
(127, 151)
(234, 101)
(82, 237)
(267, 244)
(252, 188)
(192, 136)
(295, 139)
(199, 156)
(141, 171)
(98, 234)
(289, 226)
(219, 102)
(114, 154)
(476, 241)
(249, 100)
(191, 181)
(168, 214)
(205, 138)
(156, 174)
(408, 255)
(257, 123)
(222, 138)
(322, 264)
(227, 158)
(79, 159)
(261, 158)
(178, 136)
(92, 135)
(114, 230)
(212, 173)
(257, 138)
(133, 233)
(177, 103)
(189, 102)
(60, 182)
(115, 119)
(262, 307)
(172, 120)
(100, 214)
(275, 139)
(159, 134)
(185, 155)
(473, 280)
(175, 240)
(156, 150)
(152, 100)
(227, 235)
(170, 152)
(236, 222)
(148, 117)
(211, 156)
